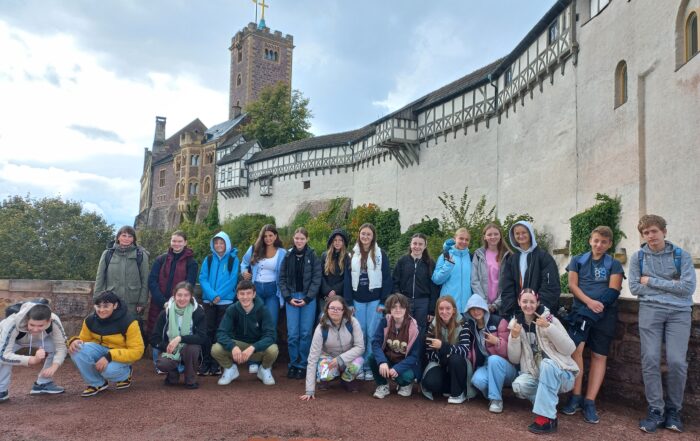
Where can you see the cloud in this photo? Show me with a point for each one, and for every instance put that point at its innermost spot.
(96, 133)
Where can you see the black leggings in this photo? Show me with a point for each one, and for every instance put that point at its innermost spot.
(213, 314)
(450, 378)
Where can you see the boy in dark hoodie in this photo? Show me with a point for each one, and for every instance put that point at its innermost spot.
(218, 279)
(663, 277)
(34, 326)
(529, 267)
(246, 334)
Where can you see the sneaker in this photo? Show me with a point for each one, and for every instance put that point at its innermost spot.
(496, 406)
(203, 370)
(4, 396)
(215, 370)
(673, 420)
(369, 376)
(228, 376)
(543, 425)
(654, 420)
(351, 386)
(322, 385)
(194, 385)
(459, 399)
(253, 368)
(405, 391)
(292, 372)
(589, 412)
(124, 384)
(360, 376)
(574, 405)
(382, 391)
(46, 388)
(300, 374)
(159, 372)
(92, 390)
(265, 375)
(427, 394)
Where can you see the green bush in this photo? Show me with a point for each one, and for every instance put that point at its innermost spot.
(429, 227)
(155, 241)
(388, 228)
(564, 282)
(198, 238)
(244, 229)
(606, 212)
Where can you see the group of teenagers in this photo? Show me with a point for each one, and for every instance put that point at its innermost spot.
(462, 325)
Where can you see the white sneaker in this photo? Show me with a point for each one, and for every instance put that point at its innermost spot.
(265, 375)
(360, 375)
(427, 394)
(382, 391)
(461, 398)
(229, 375)
(406, 391)
(369, 376)
(496, 406)
(253, 368)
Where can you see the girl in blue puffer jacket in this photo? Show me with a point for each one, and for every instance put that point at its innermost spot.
(454, 268)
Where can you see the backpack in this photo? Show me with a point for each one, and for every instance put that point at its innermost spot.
(607, 262)
(324, 331)
(110, 253)
(230, 262)
(677, 252)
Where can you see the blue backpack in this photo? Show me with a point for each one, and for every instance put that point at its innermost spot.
(677, 252)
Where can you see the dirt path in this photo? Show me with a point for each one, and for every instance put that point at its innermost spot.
(246, 408)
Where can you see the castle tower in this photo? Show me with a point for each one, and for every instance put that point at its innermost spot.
(259, 58)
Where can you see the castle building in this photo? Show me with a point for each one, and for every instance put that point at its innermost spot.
(599, 97)
(180, 172)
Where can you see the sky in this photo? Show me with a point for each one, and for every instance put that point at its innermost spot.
(81, 81)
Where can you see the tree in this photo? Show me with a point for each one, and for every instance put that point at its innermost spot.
(278, 116)
(50, 239)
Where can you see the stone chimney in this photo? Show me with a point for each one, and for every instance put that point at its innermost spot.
(235, 111)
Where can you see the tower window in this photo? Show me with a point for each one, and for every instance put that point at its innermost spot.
(161, 178)
(307, 185)
(621, 83)
(194, 187)
(239, 55)
(207, 185)
(691, 36)
(194, 160)
(238, 80)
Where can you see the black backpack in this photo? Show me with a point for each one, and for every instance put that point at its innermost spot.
(230, 262)
(110, 253)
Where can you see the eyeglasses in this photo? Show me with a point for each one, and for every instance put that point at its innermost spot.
(335, 309)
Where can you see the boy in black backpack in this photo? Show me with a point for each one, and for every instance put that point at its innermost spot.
(34, 326)
(218, 279)
(595, 279)
(663, 277)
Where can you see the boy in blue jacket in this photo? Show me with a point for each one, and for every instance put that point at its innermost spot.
(218, 279)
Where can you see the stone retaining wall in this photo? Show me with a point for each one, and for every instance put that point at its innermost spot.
(72, 301)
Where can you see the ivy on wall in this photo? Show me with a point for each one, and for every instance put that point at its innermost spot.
(606, 212)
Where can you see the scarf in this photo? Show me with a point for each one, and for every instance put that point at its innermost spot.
(176, 314)
(396, 345)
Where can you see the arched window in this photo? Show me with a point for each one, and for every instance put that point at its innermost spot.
(194, 160)
(194, 187)
(691, 36)
(240, 55)
(621, 83)
(238, 80)
(177, 190)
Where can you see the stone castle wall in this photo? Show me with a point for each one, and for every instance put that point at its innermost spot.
(72, 301)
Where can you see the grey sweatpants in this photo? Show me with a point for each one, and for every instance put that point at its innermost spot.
(657, 324)
(6, 368)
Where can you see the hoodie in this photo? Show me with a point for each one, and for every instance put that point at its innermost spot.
(480, 275)
(197, 335)
(14, 330)
(532, 268)
(215, 277)
(666, 288)
(254, 327)
(493, 324)
(455, 276)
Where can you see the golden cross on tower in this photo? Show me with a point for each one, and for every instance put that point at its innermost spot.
(263, 6)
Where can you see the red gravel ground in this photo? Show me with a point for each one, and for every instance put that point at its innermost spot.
(246, 409)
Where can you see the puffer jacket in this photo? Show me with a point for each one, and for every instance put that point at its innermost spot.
(339, 344)
(123, 276)
(553, 340)
(455, 276)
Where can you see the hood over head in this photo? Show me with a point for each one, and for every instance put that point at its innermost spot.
(511, 236)
(337, 232)
(22, 316)
(227, 241)
(476, 301)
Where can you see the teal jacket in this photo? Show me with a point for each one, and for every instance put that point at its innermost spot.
(215, 278)
(455, 278)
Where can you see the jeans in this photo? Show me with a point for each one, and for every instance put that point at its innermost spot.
(225, 359)
(367, 315)
(654, 324)
(267, 291)
(543, 392)
(6, 368)
(86, 358)
(403, 379)
(300, 328)
(493, 375)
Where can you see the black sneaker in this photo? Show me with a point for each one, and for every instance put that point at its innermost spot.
(300, 374)
(192, 385)
(653, 421)
(543, 425)
(4, 396)
(215, 370)
(673, 420)
(203, 370)
(124, 384)
(92, 390)
(292, 372)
